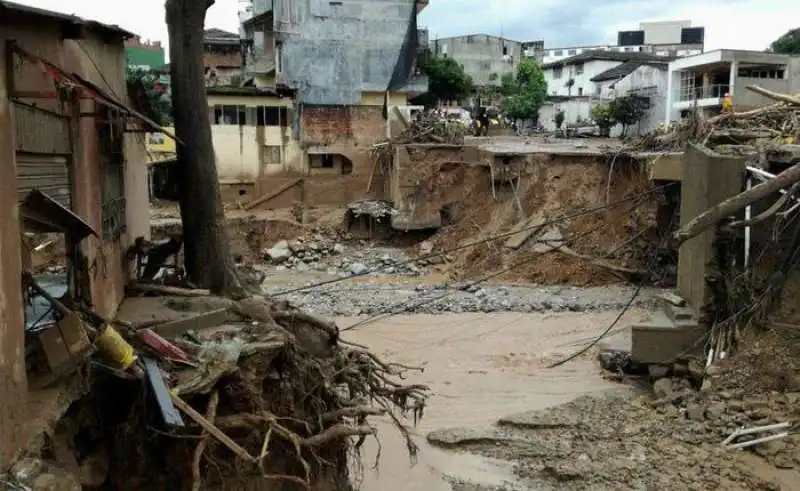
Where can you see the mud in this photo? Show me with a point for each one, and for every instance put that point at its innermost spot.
(480, 367)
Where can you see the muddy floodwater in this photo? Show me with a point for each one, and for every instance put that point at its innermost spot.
(480, 368)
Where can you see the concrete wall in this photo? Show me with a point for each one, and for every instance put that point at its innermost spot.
(481, 55)
(575, 109)
(664, 32)
(648, 81)
(708, 178)
(332, 52)
(556, 86)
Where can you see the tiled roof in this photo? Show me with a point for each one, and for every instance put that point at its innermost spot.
(644, 58)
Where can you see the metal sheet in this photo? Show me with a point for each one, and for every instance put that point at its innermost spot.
(47, 173)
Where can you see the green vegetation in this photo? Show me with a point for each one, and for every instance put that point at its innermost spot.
(446, 81)
(629, 110)
(159, 102)
(788, 44)
(604, 118)
(525, 91)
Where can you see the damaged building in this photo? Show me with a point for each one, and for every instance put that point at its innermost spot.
(75, 167)
(320, 82)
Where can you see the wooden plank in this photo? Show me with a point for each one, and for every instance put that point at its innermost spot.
(268, 197)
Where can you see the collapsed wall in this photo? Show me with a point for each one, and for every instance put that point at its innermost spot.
(472, 200)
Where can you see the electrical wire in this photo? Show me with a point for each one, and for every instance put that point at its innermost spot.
(562, 218)
(624, 310)
(471, 284)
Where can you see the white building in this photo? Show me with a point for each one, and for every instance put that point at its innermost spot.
(705, 79)
(670, 38)
(594, 77)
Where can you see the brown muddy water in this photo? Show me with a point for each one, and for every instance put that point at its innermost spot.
(480, 367)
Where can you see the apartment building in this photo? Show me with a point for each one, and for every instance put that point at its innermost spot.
(577, 83)
(668, 38)
(486, 58)
(334, 52)
(703, 80)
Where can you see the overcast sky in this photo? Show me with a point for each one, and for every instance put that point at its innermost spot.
(735, 24)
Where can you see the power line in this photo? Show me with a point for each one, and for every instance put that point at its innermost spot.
(562, 218)
(409, 308)
(619, 316)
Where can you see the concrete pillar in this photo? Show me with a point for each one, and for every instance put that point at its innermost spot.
(707, 179)
(13, 381)
(706, 86)
(732, 82)
(672, 89)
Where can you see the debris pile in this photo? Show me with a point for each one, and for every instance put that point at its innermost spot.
(738, 133)
(338, 260)
(225, 394)
(430, 127)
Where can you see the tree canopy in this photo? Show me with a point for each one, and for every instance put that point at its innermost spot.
(788, 44)
(525, 91)
(159, 102)
(628, 110)
(447, 81)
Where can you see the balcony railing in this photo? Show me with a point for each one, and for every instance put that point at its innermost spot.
(714, 91)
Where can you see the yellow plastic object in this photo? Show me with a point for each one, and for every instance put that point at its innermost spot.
(112, 345)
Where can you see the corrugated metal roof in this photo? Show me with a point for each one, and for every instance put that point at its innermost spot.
(592, 55)
(62, 17)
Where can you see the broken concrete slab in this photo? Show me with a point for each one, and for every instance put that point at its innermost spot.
(523, 231)
(551, 239)
(197, 322)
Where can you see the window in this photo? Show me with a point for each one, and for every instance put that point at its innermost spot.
(110, 132)
(505, 50)
(271, 116)
(279, 57)
(599, 90)
(580, 91)
(557, 72)
(558, 52)
(156, 138)
(272, 154)
(236, 115)
(572, 52)
(579, 69)
(628, 49)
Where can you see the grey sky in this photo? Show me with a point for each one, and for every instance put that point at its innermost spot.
(736, 24)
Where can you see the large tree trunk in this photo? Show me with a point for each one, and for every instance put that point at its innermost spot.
(208, 259)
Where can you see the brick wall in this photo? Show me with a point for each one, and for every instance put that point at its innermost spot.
(325, 125)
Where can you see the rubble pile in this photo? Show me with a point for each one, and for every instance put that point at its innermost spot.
(430, 127)
(739, 133)
(337, 259)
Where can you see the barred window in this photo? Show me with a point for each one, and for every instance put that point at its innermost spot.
(110, 137)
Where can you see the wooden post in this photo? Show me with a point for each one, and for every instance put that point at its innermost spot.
(13, 380)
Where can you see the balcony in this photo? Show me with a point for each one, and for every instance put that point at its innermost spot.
(708, 96)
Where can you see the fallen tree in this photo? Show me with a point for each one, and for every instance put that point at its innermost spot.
(275, 398)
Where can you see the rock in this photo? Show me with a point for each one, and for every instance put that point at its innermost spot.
(425, 247)
(696, 412)
(783, 462)
(658, 371)
(358, 269)
(26, 470)
(770, 449)
(280, 252)
(715, 411)
(338, 249)
(663, 388)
